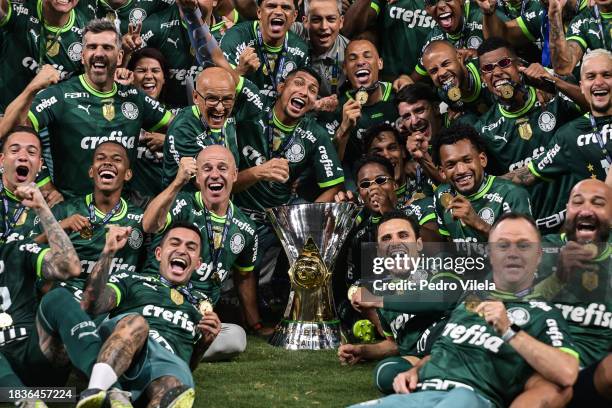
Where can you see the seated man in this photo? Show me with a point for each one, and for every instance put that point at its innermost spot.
(159, 326)
(484, 340)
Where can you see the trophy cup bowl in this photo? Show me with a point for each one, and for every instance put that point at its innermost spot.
(312, 236)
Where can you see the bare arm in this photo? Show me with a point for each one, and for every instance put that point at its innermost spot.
(327, 196)
(493, 26)
(274, 170)
(564, 54)
(358, 18)
(521, 176)
(3, 8)
(246, 284)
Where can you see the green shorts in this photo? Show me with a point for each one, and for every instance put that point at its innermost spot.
(153, 361)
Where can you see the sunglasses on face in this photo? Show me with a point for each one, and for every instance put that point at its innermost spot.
(380, 180)
(502, 63)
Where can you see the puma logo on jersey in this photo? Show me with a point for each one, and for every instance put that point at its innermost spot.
(177, 317)
(475, 334)
(86, 109)
(35, 35)
(594, 314)
(595, 33)
(173, 42)
(498, 137)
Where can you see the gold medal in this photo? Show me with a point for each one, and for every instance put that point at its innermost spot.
(22, 218)
(592, 248)
(108, 111)
(590, 280)
(204, 306)
(418, 196)
(471, 303)
(86, 233)
(217, 240)
(507, 91)
(524, 129)
(5, 320)
(53, 48)
(351, 292)
(454, 93)
(362, 96)
(110, 16)
(445, 199)
(176, 296)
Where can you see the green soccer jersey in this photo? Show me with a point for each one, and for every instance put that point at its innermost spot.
(79, 118)
(188, 135)
(238, 252)
(584, 300)
(408, 24)
(513, 139)
(406, 329)
(248, 34)
(591, 29)
(89, 249)
(20, 220)
(470, 33)
(219, 28)
(494, 197)
(575, 151)
(131, 12)
(423, 210)
(20, 263)
(172, 318)
(27, 44)
(167, 32)
(478, 100)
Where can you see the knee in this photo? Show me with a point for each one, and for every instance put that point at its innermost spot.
(386, 371)
(603, 377)
(132, 326)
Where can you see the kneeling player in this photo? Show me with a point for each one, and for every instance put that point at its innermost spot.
(158, 326)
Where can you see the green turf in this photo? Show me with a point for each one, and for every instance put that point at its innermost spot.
(266, 376)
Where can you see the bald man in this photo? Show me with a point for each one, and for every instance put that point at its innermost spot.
(209, 121)
(228, 235)
(580, 286)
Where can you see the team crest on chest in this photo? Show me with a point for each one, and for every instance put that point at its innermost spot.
(135, 239)
(137, 15)
(295, 153)
(487, 215)
(547, 121)
(129, 110)
(74, 51)
(474, 42)
(289, 66)
(237, 243)
(518, 315)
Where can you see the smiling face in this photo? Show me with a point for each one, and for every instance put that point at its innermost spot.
(298, 93)
(462, 166)
(499, 76)
(515, 253)
(443, 65)
(149, 76)
(589, 212)
(216, 175)
(596, 84)
(397, 238)
(21, 159)
(419, 118)
(215, 96)
(275, 19)
(362, 63)
(110, 168)
(179, 255)
(387, 146)
(61, 6)
(323, 24)
(101, 56)
(447, 13)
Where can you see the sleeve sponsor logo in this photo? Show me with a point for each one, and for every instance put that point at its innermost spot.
(328, 164)
(45, 103)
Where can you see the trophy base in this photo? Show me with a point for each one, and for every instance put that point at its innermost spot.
(304, 335)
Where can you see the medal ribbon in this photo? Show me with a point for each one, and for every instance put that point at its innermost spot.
(335, 75)
(9, 224)
(107, 217)
(217, 140)
(284, 144)
(215, 253)
(184, 290)
(600, 141)
(280, 62)
(600, 25)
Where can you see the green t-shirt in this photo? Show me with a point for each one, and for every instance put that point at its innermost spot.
(470, 352)
(513, 139)
(89, 250)
(494, 197)
(79, 118)
(585, 29)
(133, 11)
(239, 248)
(26, 45)
(246, 34)
(408, 24)
(171, 317)
(20, 263)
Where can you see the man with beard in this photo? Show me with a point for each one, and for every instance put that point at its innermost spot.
(159, 325)
(458, 82)
(496, 332)
(86, 218)
(86, 110)
(36, 33)
(518, 127)
(470, 201)
(582, 148)
(367, 102)
(268, 49)
(230, 236)
(404, 21)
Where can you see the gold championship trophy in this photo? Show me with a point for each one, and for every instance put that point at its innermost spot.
(312, 235)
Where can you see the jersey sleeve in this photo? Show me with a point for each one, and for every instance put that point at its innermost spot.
(150, 32)
(230, 43)
(386, 327)
(439, 211)
(327, 165)
(179, 210)
(249, 102)
(155, 115)
(46, 107)
(119, 282)
(180, 142)
(245, 262)
(530, 24)
(552, 329)
(16, 17)
(577, 31)
(517, 200)
(33, 256)
(423, 210)
(555, 160)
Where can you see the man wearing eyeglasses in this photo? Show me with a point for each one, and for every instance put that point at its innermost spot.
(518, 127)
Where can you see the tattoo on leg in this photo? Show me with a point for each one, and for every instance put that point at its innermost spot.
(158, 388)
(127, 339)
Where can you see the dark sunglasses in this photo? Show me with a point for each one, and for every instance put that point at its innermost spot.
(380, 180)
(502, 63)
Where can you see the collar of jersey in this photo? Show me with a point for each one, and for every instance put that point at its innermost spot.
(120, 214)
(477, 83)
(221, 22)
(117, 9)
(99, 94)
(268, 48)
(53, 29)
(526, 108)
(503, 295)
(602, 257)
(484, 189)
(400, 191)
(605, 16)
(276, 121)
(214, 217)
(10, 194)
(197, 114)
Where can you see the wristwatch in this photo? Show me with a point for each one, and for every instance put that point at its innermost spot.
(511, 332)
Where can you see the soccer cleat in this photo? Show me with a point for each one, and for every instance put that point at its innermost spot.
(30, 404)
(92, 398)
(119, 399)
(178, 397)
(364, 330)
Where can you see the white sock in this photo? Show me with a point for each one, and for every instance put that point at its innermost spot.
(102, 376)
